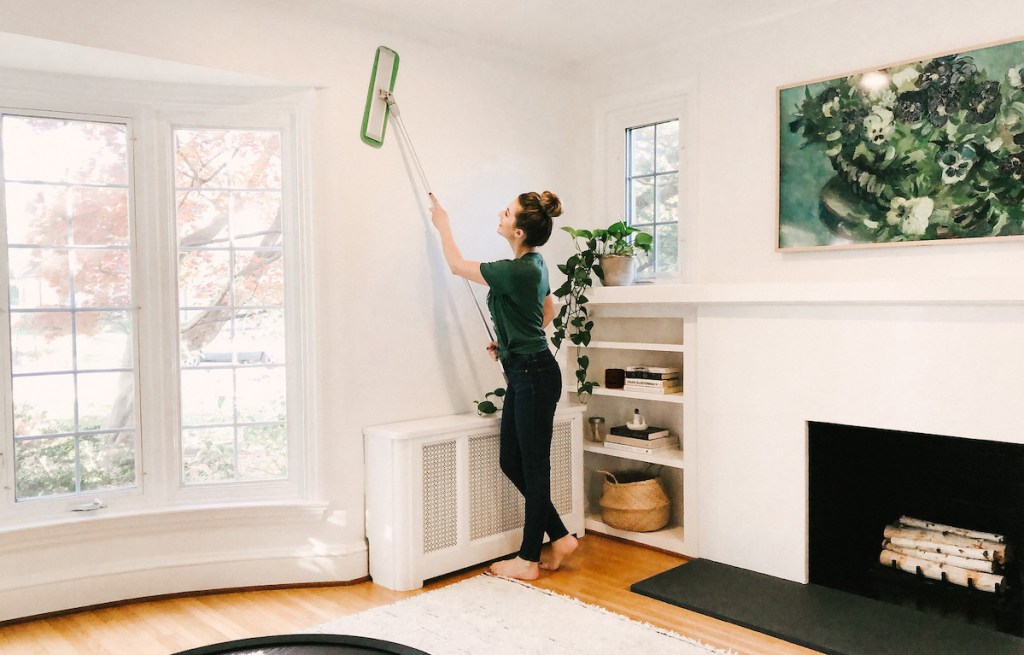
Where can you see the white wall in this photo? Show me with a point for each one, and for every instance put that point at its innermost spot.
(399, 338)
(765, 368)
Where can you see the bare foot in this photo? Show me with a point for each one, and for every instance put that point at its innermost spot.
(560, 549)
(517, 568)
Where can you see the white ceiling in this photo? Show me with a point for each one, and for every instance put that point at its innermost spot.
(564, 34)
(571, 36)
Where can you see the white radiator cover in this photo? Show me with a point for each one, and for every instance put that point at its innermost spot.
(437, 501)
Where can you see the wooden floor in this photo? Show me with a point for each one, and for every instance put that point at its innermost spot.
(600, 572)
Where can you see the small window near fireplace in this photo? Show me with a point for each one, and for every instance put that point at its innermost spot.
(873, 493)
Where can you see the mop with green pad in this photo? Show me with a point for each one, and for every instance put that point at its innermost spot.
(380, 107)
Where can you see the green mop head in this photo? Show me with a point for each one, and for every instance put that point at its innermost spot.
(382, 84)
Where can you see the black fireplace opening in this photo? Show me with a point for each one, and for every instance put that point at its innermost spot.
(861, 480)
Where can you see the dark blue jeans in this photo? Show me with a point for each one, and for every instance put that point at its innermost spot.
(533, 389)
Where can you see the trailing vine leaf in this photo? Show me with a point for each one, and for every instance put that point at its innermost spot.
(485, 407)
(573, 321)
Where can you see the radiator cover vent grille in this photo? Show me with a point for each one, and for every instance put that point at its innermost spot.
(495, 505)
(440, 496)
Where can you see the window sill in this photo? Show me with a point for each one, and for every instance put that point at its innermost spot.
(97, 525)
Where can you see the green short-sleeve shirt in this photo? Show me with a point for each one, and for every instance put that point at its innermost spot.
(516, 300)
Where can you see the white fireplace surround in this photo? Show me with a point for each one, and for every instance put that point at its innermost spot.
(940, 357)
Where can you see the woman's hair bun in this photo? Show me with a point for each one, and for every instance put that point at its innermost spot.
(551, 204)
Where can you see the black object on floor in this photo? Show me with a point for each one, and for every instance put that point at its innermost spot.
(306, 645)
(823, 619)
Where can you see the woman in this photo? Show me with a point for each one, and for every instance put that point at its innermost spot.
(521, 307)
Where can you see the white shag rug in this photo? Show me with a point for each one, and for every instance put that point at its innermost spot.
(495, 616)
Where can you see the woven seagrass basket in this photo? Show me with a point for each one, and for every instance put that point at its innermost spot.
(634, 502)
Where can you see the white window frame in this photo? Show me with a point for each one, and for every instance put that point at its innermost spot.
(617, 115)
(152, 112)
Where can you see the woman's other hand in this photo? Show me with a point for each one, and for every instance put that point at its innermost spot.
(492, 350)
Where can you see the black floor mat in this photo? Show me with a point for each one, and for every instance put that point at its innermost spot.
(817, 617)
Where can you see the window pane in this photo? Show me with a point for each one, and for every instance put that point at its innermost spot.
(668, 147)
(667, 245)
(44, 404)
(207, 397)
(208, 455)
(39, 278)
(46, 467)
(200, 160)
(105, 401)
(261, 394)
(642, 197)
(204, 278)
(641, 150)
(67, 226)
(102, 277)
(103, 340)
(202, 219)
(36, 214)
(263, 452)
(255, 159)
(232, 299)
(99, 216)
(259, 277)
(260, 337)
(107, 460)
(667, 208)
(256, 219)
(24, 138)
(204, 332)
(41, 341)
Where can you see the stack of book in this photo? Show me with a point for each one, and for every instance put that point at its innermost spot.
(653, 379)
(648, 441)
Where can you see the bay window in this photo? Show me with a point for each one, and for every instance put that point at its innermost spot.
(151, 352)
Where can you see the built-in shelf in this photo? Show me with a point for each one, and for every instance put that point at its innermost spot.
(672, 457)
(635, 345)
(670, 538)
(641, 335)
(676, 398)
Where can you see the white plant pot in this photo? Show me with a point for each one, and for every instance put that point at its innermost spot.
(619, 270)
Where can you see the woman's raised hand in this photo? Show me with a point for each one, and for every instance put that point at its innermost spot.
(438, 216)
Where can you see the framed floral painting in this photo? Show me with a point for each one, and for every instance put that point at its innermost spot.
(924, 152)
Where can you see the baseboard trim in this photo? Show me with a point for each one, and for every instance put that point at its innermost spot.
(183, 594)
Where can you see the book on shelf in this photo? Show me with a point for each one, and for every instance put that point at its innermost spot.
(659, 442)
(676, 388)
(648, 433)
(611, 445)
(653, 384)
(651, 373)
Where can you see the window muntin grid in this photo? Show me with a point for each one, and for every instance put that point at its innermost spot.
(231, 305)
(652, 191)
(66, 226)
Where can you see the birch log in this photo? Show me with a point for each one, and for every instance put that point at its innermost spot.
(985, 566)
(950, 544)
(911, 522)
(935, 571)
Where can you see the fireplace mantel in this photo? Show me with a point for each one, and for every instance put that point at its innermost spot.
(938, 292)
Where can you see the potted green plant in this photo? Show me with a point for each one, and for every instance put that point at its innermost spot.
(615, 247)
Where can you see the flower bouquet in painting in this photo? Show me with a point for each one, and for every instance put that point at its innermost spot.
(926, 151)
